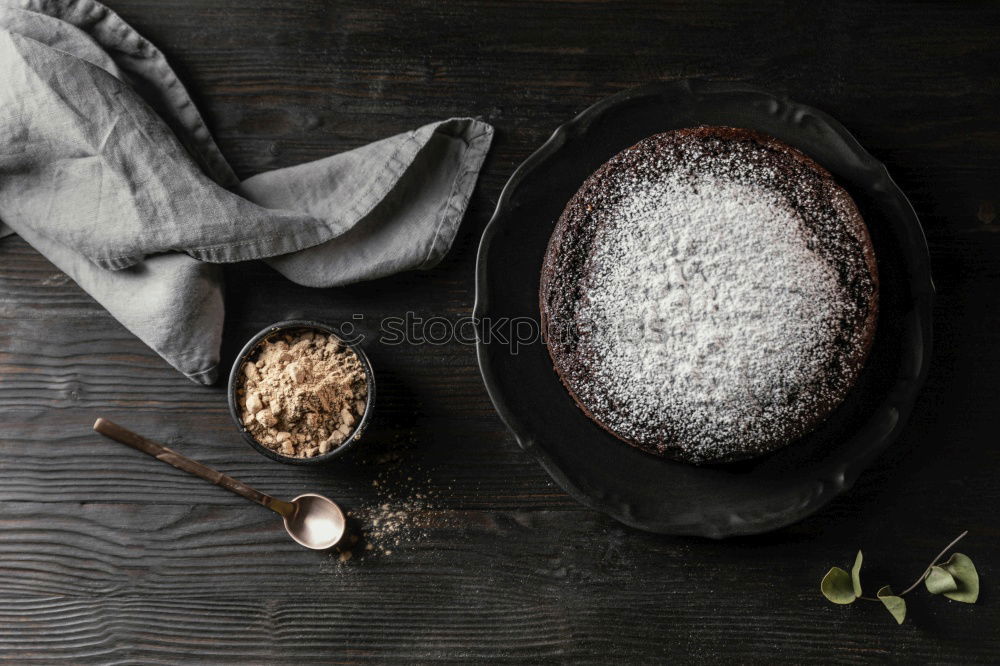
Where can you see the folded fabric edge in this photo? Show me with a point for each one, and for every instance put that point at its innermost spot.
(395, 168)
(206, 377)
(472, 139)
(456, 205)
(93, 280)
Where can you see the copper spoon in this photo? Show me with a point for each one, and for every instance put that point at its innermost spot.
(312, 520)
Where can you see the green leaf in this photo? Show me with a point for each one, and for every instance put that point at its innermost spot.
(893, 604)
(964, 572)
(838, 587)
(939, 581)
(856, 575)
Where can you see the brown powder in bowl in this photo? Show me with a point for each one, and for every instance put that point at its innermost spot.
(303, 394)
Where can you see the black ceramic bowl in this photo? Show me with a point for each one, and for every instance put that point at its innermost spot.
(661, 495)
(250, 349)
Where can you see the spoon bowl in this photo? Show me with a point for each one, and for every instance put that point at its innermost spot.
(316, 523)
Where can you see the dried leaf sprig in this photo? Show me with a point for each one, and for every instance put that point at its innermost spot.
(956, 579)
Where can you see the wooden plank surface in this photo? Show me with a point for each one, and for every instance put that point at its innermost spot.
(108, 557)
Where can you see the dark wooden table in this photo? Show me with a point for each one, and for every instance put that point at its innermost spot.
(110, 557)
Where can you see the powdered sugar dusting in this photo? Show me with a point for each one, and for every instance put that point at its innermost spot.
(708, 316)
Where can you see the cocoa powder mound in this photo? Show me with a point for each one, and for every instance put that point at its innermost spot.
(303, 393)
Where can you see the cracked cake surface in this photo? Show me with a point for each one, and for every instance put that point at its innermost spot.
(709, 295)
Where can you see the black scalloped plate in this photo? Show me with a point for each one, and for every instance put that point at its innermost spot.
(660, 495)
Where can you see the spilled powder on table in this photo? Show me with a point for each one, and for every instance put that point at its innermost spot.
(403, 512)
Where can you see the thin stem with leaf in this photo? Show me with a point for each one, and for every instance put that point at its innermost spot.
(956, 579)
(934, 563)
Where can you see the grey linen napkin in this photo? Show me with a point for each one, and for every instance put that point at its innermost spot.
(107, 168)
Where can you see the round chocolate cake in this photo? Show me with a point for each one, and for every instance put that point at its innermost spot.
(709, 295)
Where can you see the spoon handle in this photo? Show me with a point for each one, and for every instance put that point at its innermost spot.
(163, 454)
